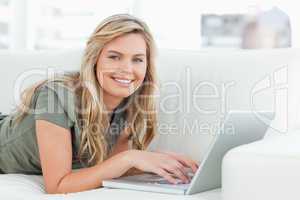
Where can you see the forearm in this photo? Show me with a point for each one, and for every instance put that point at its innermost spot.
(133, 171)
(92, 177)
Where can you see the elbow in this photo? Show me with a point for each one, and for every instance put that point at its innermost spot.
(56, 187)
(54, 191)
(51, 191)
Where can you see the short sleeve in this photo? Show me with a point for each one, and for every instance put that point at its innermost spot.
(49, 107)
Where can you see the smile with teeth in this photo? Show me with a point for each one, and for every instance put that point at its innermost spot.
(122, 81)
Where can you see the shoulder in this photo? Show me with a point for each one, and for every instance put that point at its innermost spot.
(56, 86)
(56, 93)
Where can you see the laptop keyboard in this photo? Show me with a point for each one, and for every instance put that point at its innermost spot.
(164, 181)
(150, 178)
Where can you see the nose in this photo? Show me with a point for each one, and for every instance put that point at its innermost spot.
(127, 66)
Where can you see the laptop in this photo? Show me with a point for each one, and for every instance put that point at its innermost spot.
(239, 128)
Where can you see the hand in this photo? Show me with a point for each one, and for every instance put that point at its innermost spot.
(162, 164)
(186, 161)
(132, 171)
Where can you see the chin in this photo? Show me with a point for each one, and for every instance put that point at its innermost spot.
(121, 94)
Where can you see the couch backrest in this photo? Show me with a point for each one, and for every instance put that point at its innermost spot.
(222, 81)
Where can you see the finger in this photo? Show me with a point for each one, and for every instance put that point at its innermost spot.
(182, 168)
(175, 170)
(183, 159)
(187, 162)
(191, 164)
(166, 175)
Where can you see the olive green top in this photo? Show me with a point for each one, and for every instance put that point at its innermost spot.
(55, 103)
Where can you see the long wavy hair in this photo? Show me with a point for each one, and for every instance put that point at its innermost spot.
(140, 112)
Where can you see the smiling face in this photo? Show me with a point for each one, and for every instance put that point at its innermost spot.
(121, 67)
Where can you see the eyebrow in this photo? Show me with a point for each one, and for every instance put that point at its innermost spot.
(113, 51)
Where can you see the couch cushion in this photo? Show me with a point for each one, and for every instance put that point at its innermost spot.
(223, 80)
(20, 186)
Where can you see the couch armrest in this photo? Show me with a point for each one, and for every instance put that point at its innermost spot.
(266, 169)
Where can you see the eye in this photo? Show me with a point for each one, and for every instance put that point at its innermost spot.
(138, 60)
(114, 57)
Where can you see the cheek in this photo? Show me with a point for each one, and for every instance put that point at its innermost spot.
(102, 78)
(140, 73)
(103, 69)
(99, 75)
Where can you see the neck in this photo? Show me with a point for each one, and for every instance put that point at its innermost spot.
(111, 102)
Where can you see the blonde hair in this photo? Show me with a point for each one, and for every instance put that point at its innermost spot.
(140, 113)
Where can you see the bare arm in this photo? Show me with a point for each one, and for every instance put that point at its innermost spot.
(56, 160)
(92, 177)
(122, 145)
(55, 151)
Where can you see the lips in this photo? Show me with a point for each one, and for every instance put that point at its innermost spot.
(122, 80)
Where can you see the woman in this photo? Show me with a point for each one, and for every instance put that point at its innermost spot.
(96, 121)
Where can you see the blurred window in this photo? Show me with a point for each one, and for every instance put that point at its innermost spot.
(189, 24)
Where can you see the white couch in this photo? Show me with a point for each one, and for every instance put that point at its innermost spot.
(233, 80)
(267, 169)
